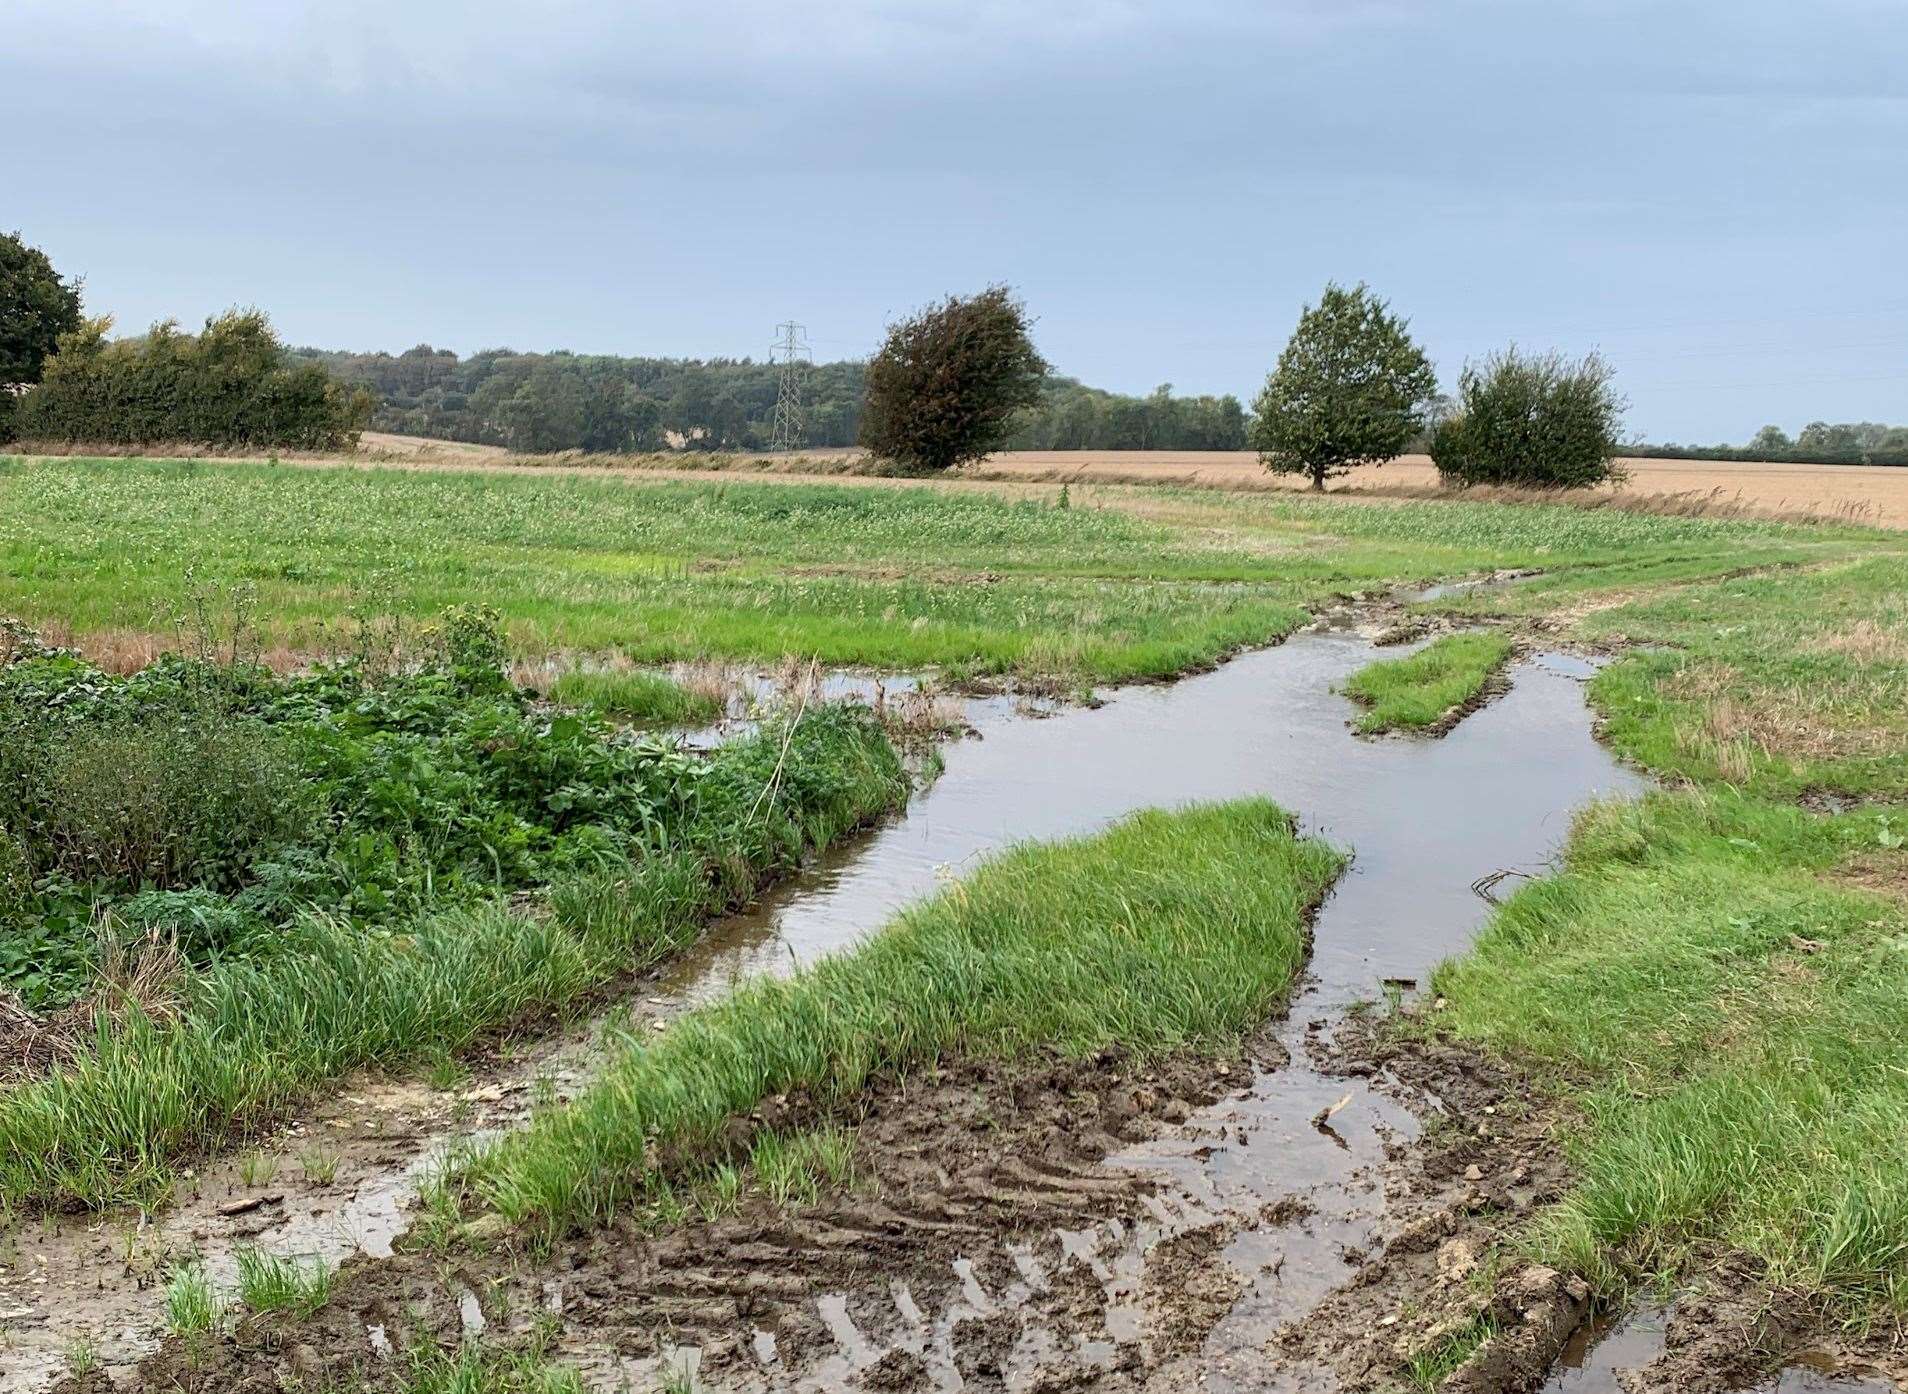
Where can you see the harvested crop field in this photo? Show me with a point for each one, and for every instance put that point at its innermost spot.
(733, 934)
(1874, 494)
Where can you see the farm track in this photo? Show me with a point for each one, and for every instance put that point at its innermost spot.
(1089, 1226)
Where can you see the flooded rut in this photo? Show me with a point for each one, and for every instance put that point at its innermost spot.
(1284, 1169)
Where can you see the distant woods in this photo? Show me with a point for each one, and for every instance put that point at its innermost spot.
(537, 402)
(1818, 443)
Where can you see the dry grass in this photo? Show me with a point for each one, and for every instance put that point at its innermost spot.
(723, 685)
(1785, 722)
(142, 980)
(1867, 641)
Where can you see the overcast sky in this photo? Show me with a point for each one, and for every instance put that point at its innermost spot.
(1715, 194)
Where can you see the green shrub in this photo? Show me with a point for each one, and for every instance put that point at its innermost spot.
(1532, 421)
(229, 385)
(170, 801)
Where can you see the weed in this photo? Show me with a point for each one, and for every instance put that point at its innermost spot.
(275, 1283)
(258, 1168)
(82, 1356)
(192, 1304)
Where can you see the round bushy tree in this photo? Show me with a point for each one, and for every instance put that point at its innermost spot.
(1349, 389)
(944, 388)
(1532, 421)
(36, 307)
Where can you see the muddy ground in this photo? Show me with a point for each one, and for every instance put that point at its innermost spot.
(995, 1241)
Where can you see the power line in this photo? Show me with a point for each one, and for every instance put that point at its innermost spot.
(791, 351)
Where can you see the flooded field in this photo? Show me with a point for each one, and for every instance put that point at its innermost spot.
(1426, 820)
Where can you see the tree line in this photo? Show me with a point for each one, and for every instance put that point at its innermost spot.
(1818, 443)
(1350, 388)
(539, 402)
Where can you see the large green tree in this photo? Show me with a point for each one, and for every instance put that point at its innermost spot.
(947, 383)
(36, 307)
(1350, 389)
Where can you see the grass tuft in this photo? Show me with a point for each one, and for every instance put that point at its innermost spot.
(1423, 690)
(640, 698)
(275, 1283)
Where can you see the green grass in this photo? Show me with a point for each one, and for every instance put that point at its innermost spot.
(476, 1369)
(1126, 583)
(642, 699)
(1409, 694)
(192, 1304)
(276, 1283)
(1429, 1368)
(1732, 1026)
(1168, 930)
(111, 1126)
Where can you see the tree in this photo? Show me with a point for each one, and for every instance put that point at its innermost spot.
(1532, 421)
(1772, 443)
(945, 386)
(36, 307)
(1349, 389)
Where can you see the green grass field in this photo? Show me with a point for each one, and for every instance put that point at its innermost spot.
(1711, 987)
(1126, 583)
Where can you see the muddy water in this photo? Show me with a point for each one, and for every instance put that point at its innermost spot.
(1495, 793)
(1425, 819)
(1610, 1358)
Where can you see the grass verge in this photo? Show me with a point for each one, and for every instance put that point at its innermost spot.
(1423, 690)
(1730, 1025)
(1166, 930)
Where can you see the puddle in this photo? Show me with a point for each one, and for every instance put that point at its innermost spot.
(1427, 819)
(1602, 1353)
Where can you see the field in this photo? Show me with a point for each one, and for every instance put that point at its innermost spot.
(374, 965)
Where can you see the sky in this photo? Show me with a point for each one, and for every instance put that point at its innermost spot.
(1714, 195)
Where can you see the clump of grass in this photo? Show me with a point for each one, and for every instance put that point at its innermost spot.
(632, 695)
(1429, 1368)
(275, 1283)
(320, 1165)
(258, 1167)
(192, 1304)
(1414, 693)
(475, 1369)
(1167, 930)
(82, 1356)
